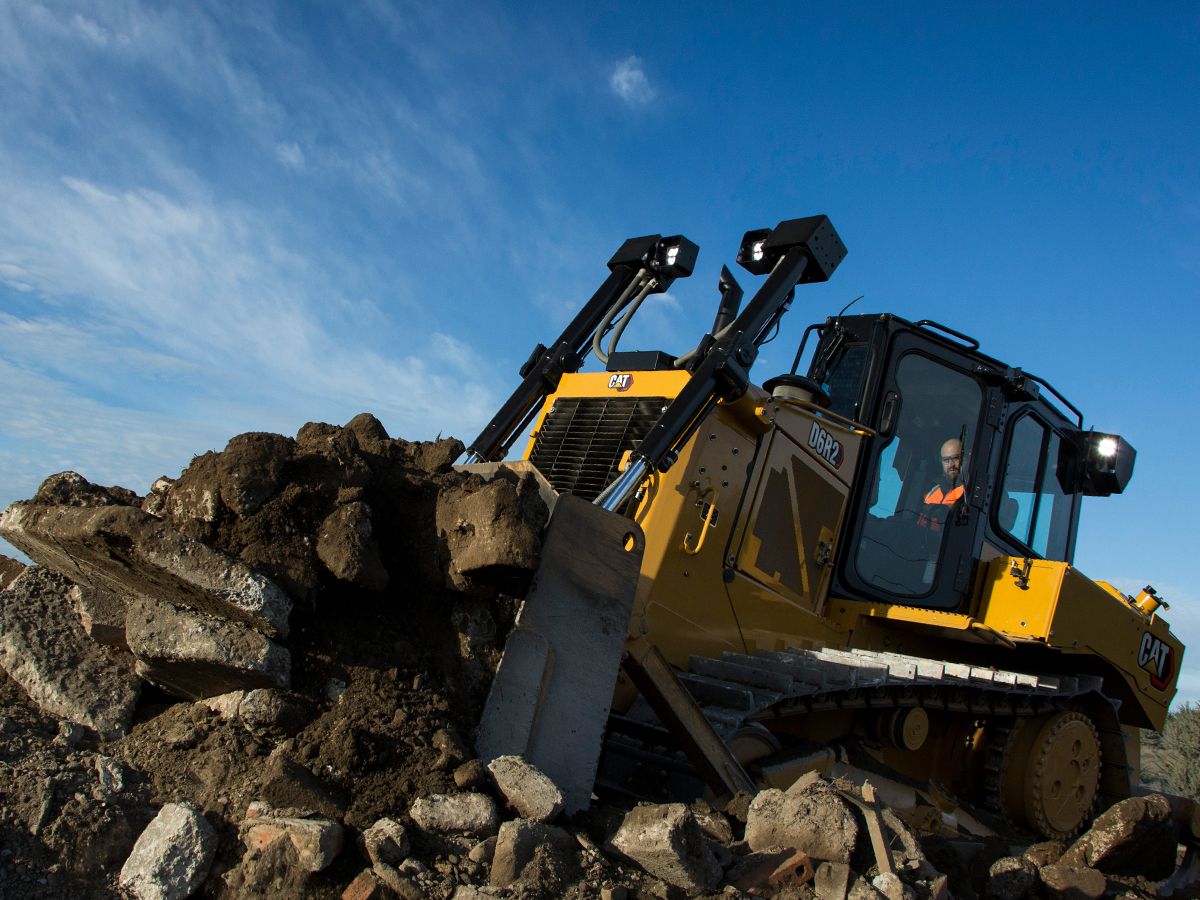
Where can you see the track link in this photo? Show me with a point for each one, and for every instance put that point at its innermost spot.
(776, 684)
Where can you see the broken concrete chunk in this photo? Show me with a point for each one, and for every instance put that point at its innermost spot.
(386, 842)
(712, 823)
(491, 530)
(817, 822)
(456, 813)
(890, 885)
(44, 649)
(102, 614)
(317, 842)
(172, 857)
(515, 846)
(196, 656)
(110, 776)
(667, 842)
(131, 553)
(262, 709)
(9, 570)
(528, 791)
(483, 851)
(1134, 837)
(347, 549)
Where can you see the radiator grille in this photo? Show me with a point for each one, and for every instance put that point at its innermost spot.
(581, 440)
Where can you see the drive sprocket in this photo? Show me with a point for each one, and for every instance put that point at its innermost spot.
(1050, 774)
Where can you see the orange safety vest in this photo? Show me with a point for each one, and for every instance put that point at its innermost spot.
(937, 497)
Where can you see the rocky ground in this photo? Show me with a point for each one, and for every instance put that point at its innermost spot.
(262, 679)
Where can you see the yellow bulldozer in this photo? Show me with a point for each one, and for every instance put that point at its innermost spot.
(875, 554)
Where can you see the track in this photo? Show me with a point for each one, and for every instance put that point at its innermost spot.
(738, 689)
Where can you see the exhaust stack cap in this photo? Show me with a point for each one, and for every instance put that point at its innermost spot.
(797, 387)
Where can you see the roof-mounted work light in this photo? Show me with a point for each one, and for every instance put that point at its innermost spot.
(752, 255)
(667, 258)
(763, 248)
(1107, 464)
(675, 257)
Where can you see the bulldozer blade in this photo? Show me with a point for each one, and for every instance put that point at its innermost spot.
(550, 699)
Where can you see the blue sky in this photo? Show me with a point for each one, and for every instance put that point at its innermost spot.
(227, 217)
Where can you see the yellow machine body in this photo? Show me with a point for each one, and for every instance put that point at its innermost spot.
(741, 538)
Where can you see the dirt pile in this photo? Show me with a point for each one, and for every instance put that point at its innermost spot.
(263, 678)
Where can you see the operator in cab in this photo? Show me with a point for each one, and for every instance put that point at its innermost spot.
(949, 489)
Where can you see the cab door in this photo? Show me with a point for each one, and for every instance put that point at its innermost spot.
(911, 536)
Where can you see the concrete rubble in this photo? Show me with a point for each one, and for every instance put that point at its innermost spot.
(1011, 878)
(317, 842)
(44, 648)
(530, 793)
(127, 551)
(667, 842)
(263, 677)
(456, 814)
(386, 842)
(516, 844)
(9, 569)
(195, 655)
(818, 821)
(102, 614)
(172, 856)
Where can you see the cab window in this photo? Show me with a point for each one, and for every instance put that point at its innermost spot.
(919, 475)
(844, 380)
(1032, 507)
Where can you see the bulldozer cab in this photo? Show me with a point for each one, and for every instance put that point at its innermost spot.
(968, 461)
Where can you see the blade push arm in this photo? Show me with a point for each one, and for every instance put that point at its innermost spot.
(797, 251)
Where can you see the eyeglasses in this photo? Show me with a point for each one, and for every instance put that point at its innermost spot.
(946, 460)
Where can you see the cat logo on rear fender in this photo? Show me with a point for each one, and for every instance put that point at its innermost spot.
(1155, 656)
(620, 383)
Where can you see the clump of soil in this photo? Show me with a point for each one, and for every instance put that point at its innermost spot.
(389, 661)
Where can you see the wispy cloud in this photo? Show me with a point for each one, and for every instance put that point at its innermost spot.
(629, 82)
(290, 154)
(201, 292)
